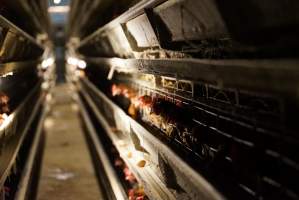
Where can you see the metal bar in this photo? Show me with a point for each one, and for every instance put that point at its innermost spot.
(23, 185)
(116, 186)
(260, 75)
(6, 23)
(16, 67)
(7, 165)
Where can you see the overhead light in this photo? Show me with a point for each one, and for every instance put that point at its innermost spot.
(47, 62)
(77, 62)
(7, 74)
(72, 61)
(59, 9)
(81, 64)
(56, 1)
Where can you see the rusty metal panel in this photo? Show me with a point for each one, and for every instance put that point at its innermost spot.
(142, 31)
(191, 19)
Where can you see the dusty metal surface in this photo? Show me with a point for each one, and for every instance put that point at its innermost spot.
(67, 171)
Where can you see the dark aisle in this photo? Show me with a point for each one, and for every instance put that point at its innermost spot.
(67, 170)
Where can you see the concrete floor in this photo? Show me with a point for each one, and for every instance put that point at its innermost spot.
(67, 171)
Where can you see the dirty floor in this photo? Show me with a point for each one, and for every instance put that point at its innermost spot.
(67, 171)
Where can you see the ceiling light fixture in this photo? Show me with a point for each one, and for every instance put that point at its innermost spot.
(57, 1)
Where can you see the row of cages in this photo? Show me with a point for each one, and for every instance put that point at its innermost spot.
(198, 29)
(29, 16)
(23, 108)
(238, 141)
(115, 176)
(16, 45)
(198, 97)
(25, 85)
